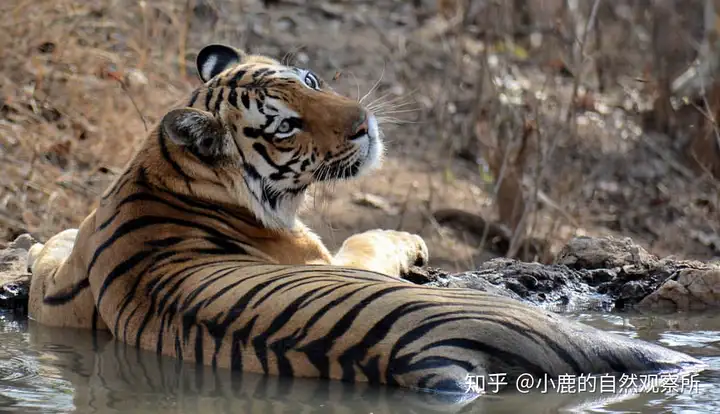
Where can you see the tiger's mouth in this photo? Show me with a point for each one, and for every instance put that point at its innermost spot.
(365, 156)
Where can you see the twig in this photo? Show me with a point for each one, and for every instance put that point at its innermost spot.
(583, 42)
(124, 87)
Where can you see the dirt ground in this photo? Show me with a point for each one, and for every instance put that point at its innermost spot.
(81, 81)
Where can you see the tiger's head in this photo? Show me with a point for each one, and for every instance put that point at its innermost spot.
(267, 131)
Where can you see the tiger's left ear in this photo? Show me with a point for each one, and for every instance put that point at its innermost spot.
(214, 59)
(197, 130)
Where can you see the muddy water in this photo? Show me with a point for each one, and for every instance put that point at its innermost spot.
(48, 370)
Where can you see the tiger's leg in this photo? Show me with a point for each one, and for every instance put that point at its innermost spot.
(60, 292)
(384, 251)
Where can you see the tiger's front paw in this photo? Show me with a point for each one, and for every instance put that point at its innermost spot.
(386, 251)
(410, 249)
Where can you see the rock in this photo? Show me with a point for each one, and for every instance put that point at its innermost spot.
(602, 253)
(14, 277)
(688, 289)
(423, 275)
(554, 286)
(592, 274)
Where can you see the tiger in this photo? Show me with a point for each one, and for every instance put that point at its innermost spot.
(102, 374)
(196, 252)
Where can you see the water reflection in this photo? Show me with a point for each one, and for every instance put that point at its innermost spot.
(53, 370)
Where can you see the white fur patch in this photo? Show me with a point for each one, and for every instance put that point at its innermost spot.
(282, 110)
(193, 123)
(256, 119)
(252, 115)
(373, 129)
(284, 217)
(372, 146)
(209, 66)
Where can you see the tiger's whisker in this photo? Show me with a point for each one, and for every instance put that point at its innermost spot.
(377, 83)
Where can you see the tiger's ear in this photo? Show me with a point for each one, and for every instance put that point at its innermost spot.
(215, 58)
(198, 130)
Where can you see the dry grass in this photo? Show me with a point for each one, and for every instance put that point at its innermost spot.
(77, 79)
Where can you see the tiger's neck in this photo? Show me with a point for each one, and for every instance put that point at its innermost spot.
(195, 209)
(166, 166)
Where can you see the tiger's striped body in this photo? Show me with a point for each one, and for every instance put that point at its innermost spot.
(195, 252)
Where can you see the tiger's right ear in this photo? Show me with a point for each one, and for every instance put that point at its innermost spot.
(198, 131)
(215, 58)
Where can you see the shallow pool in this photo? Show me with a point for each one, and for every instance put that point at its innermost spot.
(51, 370)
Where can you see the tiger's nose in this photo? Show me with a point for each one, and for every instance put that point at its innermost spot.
(361, 126)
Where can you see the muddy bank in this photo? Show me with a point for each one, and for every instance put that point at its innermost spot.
(593, 274)
(600, 274)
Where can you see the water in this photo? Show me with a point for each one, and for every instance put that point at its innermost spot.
(51, 370)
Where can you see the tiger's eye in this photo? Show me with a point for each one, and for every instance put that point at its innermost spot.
(284, 127)
(311, 81)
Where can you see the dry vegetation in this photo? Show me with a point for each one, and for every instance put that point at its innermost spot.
(535, 119)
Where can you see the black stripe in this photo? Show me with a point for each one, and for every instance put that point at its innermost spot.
(239, 339)
(65, 297)
(118, 185)
(199, 208)
(218, 101)
(127, 300)
(166, 155)
(194, 97)
(530, 334)
(357, 353)
(318, 350)
(110, 219)
(127, 321)
(199, 354)
(279, 347)
(321, 293)
(208, 98)
(218, 329)
(245, 99)
(147, 221)
(212, 278)
(120, 270)
(509, 358)
(169, 290)
(236, 78)
(281, 169)
(178, 346)
(95, 318)
(232, 98)
(297, 283)
(437, 361)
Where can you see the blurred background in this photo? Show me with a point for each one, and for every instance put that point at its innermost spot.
(511, 125)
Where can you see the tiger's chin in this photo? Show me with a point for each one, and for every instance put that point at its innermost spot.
(373, 149)
(277, 206)
(373, 156)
